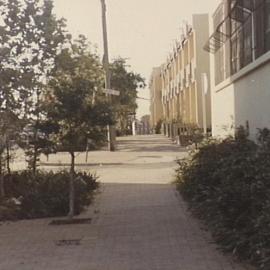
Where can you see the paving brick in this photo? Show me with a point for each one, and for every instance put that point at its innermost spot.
(139, 222)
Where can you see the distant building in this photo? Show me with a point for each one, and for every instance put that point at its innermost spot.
(155, 86)
(186, 105)
(145, 125)
(141, 127)
(240, 44)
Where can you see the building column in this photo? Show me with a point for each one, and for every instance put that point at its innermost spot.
(164, 129)
(167, 130)
(171, 130)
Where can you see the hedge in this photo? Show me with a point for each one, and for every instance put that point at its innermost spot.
(227, 184)
(45, 194)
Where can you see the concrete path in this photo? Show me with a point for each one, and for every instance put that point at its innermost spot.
(138, 221)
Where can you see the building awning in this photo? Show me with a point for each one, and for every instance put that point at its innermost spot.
(218, 38)
(250, 5)
(240, 12)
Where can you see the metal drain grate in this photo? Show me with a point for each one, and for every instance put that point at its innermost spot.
(76, 221)
(68, 242)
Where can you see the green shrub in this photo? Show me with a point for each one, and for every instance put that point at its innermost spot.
(158, 127)
(9, 210)
(46, 194)
(227, 184)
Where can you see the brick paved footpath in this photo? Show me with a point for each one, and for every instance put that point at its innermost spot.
(139, 222)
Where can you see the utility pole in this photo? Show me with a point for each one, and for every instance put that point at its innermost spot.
(111, 129)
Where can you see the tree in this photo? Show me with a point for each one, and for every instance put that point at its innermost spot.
(45, 36)
(75, 107)
(10, 127)
(10, 44)
(30, 38)
(127, 82)
(2, 186)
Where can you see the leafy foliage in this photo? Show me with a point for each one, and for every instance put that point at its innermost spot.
(158, 127)
(9, 134)
(127, 82)
(75, 109)
(31, 37)
(227, 185)
(45, 194)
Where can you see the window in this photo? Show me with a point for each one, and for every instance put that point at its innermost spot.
(267, 25)
(262, 27)
(219, 63)
(248, 24)
(246, 54)
(219, 54)
(235, 63)
(259, 29)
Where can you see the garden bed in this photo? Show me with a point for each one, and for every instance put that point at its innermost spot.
(45, 194)
(227, 184)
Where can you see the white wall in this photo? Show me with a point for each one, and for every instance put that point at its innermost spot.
(223, 112)
(244, 97)
(252, 100)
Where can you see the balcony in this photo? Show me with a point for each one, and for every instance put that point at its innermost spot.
(182, 80)
(171, 89)
(187, 75)
(178, 87)
(193, 71)
(179, 82)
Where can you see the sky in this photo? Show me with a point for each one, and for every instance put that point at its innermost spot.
(143, 31)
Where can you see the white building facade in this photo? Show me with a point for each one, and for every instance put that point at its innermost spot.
(240, 47)
(186, 106)
(155, 88)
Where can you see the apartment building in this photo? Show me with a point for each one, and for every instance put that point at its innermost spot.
(186, 105)
(155, 97)
(240, 47)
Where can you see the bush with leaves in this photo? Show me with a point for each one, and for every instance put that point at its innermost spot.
(76, 108)
(127, 82)
(158, 127)
(46, 194)
(227, 184)
(31, 38)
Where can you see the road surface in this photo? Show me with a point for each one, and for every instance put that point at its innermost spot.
(139, 222)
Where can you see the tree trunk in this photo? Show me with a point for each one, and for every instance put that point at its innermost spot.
(36, 136)
(8, 156)
(35, 154)
(71, 186)
(2, 187)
